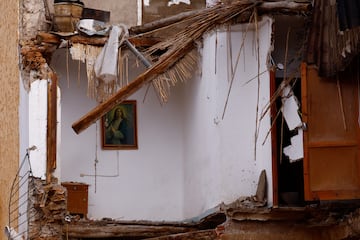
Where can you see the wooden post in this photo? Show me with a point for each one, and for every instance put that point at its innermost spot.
(51, 126)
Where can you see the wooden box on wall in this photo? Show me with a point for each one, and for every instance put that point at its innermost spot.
(77, 198)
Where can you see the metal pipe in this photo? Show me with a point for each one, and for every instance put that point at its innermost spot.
(137, 53)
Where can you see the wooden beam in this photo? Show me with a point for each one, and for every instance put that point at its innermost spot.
(162, 22)
(51, 127)
(45, 37)
(274, 145)
(284, 7)
(264, 8)
(52, 38)
(144, 41)
(97, 41)
(202, 234)
(133, 231)
(172, 56)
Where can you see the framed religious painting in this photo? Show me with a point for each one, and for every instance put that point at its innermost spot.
(119, 127)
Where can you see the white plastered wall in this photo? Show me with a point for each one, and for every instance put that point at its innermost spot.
(129, 184)
(189, 159)
(38, 126)
(222, 162)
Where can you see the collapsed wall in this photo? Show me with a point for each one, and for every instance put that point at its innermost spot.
(47, 210)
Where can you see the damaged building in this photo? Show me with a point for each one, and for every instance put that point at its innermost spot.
(180, 119)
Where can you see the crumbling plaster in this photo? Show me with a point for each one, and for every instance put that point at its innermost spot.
(32, 18)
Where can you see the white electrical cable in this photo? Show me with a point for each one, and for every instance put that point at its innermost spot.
(97, 161)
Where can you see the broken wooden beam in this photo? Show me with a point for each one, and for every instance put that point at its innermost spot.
(147, 27)
(88, 229)
(53, 38)
(51, 135)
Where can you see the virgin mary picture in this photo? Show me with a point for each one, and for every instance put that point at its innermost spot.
(119, 127)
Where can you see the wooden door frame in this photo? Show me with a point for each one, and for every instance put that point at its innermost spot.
(309, 194)
(274, 147)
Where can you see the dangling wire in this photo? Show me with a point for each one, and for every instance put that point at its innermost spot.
(96, 161)
(19, 196)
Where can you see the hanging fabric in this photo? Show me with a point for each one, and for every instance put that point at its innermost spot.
(106, 64)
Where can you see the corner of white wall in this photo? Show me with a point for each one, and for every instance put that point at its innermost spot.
(139, 11)
(57, 172)
(38, 126)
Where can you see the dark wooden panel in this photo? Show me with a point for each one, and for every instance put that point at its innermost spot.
(331, 141)
(334, 168)
(331, 109)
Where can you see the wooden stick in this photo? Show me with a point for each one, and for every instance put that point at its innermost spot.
(162, 22)
(341, 103)
(51, 129)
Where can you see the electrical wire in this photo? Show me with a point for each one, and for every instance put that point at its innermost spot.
(96, 162)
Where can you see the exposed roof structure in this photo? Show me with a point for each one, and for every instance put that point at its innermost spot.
(176, 47)
(333, 43)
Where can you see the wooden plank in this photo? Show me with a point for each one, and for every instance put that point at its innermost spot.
(319, 144)
(163, 22)
(48, 38)
(51, 127)
(135, 231)
(265, 7)
(284, 7)
(331, 163)
(274, 147)
(304, 110)
(338, 194)
(52, 38)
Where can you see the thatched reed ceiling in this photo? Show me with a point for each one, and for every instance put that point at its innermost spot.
(331, 49)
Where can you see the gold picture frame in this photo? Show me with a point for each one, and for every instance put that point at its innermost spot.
(119, 127)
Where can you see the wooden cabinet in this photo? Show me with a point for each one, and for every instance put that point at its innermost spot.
(77, 198)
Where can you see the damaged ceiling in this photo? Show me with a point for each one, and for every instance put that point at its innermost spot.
(333, 43)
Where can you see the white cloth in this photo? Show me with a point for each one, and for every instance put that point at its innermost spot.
(105, 66)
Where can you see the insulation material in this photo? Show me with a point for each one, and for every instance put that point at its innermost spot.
(290, 108)
(295, 151)
(88, 55)
(181, 71)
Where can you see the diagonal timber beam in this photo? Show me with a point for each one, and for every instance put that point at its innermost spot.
(171, 57)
